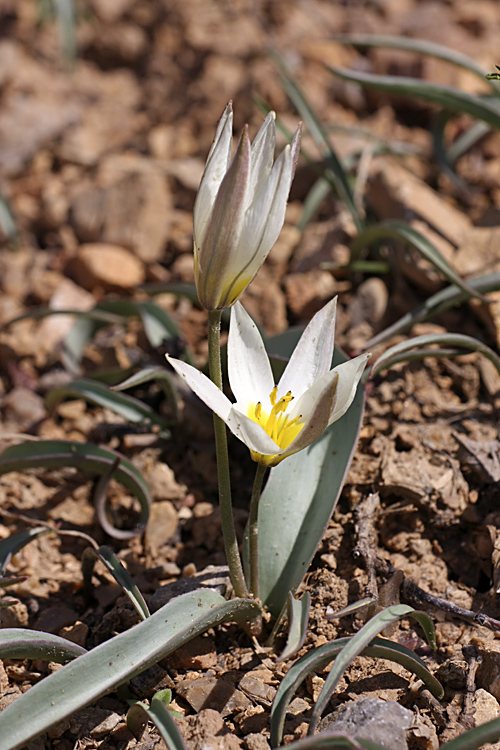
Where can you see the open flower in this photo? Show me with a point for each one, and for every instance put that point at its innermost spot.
(275, 421)
(239, 209)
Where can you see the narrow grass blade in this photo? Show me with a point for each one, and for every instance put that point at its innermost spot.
(159, 374)
(351, 609)
(11, 581)
(357, 644)
(128, 407)
(467, 140)
(486, 109)
(319, 658)
(438, 303)
(119, 573)
(441, 153)
(158, 325)
(116, 661)
(143, 376)
(65, 14)
(314, 199)
(322, 139)
(159, 714)
(21, 643)
(475, 738)
(298, 620)
(395, 353)
(55, 454)
(14, 543)
(398, 230)
(422, 46)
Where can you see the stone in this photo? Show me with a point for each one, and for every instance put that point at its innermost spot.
(207, 731)
(382, 722)
(131, 207)
(76, 633)
(212, 692)
(67, 296)
(24, 406)
(162, 483)
(197, 653)
(162, 525)
(479, 255)
(488, 671)
(53, 619)
(396, 193)
(110, 267)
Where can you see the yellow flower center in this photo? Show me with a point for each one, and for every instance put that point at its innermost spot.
(277, 424)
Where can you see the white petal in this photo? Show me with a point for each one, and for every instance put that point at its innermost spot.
(215, 169)
(295, 147)
(306, 404)
(204, 388)
(312, 357)
(264, 219)
(216, 272)
(315, 406)
(250, 375)
(263, 153)
(251, 433)
(349, 376)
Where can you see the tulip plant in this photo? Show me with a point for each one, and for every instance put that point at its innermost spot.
(238, 215)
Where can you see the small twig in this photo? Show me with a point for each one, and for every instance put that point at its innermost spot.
(415, 595)
(473, 660)
(366, 514)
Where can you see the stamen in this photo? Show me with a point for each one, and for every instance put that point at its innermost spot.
(273, 395)
(258, 411)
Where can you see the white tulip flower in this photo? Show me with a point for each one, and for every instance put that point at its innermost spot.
(275, 421)
(239, 210)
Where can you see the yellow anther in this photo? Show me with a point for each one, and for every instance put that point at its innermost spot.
(258, 411)
(273, 395)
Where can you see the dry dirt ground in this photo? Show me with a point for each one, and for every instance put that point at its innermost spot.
(100, 166)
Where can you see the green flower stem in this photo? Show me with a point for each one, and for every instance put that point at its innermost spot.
(226, 509)
(253, 529)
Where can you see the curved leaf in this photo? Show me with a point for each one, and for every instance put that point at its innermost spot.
(114, 662)
(158, 713)
(439, 302)
(409, 44)
(119, 573)
(20, 643)
(398, 230)
(487, 109)
(358, 643)
(15, 542)
(128, 407)
(475, 738)
(55, 454)
(298, 620)
(319, 658)
(407, 349)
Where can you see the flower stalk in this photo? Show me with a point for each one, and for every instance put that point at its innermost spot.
(223, 476)
(253, 529)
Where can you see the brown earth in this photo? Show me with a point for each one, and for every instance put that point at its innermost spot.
(100, 167)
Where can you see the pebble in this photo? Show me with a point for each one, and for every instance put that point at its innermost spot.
(107, 266)
(382, 722)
